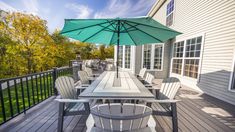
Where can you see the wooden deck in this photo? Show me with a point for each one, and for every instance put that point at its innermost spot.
(196, 112)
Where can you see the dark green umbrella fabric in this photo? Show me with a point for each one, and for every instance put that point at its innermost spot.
(131, 31)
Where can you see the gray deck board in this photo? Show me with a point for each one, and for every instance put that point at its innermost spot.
(191, 117)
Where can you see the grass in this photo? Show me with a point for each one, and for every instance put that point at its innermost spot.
(37, 91)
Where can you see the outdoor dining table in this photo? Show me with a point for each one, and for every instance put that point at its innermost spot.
(108, 86)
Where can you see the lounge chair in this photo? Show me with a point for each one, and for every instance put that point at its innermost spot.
(121, 117)
(84, 78)
(90, 73)
(165, 104)
(69, 105)
(141, 74)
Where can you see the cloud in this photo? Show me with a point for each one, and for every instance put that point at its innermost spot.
(31, 6)
(82, 11)
(6, 7)
(124, 8)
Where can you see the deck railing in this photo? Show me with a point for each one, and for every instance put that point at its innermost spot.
(19, 94)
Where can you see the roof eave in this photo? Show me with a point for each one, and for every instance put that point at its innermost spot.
(158, 4)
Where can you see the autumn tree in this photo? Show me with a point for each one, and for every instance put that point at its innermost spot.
(28, 31)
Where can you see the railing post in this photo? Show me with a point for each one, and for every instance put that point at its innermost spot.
(54, 78)
(2, 102)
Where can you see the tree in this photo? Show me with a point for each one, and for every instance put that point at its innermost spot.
(28, 31)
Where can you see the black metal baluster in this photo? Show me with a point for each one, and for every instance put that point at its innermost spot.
(32, 86)
(51, 83)
(37, 88)
(9, 97)
(44, 85)
(40, 75)
(17, 99)
(48, 88)
(22, 93)
(2, 102)
(27, 88)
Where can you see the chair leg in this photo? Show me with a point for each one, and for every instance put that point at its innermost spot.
(61, 117)
(174, 117)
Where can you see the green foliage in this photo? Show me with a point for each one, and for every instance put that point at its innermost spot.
(27, 47)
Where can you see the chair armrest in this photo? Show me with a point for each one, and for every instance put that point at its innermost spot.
(162, 101)
(72, 100)
(83, 86)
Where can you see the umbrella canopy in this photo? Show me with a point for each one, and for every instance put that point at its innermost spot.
(118, 31)
(131, 31)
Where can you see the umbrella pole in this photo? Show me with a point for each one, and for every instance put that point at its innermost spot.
(118, 42)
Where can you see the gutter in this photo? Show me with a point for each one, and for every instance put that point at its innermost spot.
(158, 4)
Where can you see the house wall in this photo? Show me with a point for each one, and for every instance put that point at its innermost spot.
(216, 20)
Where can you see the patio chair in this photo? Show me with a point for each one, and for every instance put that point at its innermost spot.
(141, 74)
(84, 78)
(69, 105)
(121, 117)
(89, 72)
(165, 102)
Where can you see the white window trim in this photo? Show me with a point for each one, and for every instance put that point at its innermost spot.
(183, 61)
(231, 74)
(152, 57)
(171, 13)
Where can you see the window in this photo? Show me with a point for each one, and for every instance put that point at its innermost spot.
(127, 56)
(178, 51)
(232, 81)
(186, 57)
(124, 57)
(169, 13)
(147, 56)
(153, 56)
(157, 57)
(192, 57)
(120, 57)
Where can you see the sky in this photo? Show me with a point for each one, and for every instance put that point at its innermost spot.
(55, 11)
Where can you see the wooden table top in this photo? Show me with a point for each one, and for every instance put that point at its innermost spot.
(108, 86)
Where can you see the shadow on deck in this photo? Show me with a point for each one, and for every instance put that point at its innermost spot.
(196, 112)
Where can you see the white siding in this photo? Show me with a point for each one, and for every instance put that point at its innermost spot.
(216, 19)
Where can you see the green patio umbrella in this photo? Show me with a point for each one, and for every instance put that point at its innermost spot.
(118, 31)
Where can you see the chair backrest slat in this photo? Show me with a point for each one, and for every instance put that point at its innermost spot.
(115, 109)
(65, 86)
(83, 77)
(142, 72)
(169, 88)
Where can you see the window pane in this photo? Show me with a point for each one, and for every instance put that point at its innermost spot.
(147, 56)
(193, 47)
(158, 57)
(177, 66)
(120, 56)
(127, 56)
(178, 49)
(191, 68)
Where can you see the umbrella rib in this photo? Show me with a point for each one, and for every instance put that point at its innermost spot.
(84, 27)
(96, 33)
(113, 34)
(129, 35)
(145, 32)
(151, 26)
